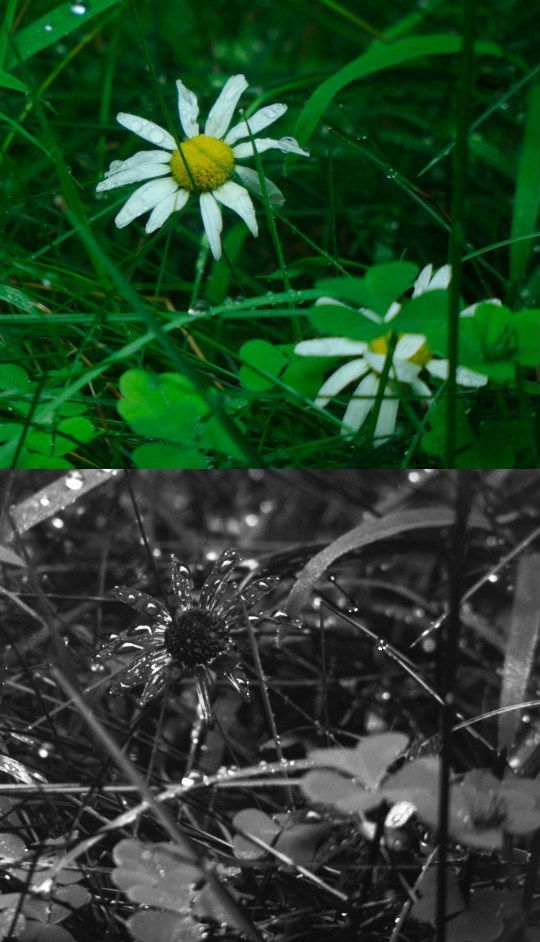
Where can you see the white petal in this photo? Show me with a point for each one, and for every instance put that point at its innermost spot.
(422, 281)
(408, 345)
(394, 309)
(420, 388)
(441, 278)
(146, 197)
(251, 179)
(212, 222)
(372, 316)
(324, 299)
(471, 310)
(166, 207)
(287, 145)
(238, 199)
(330, 347)
(428, 282)
(147, 130)
(361, 404)
(222, 111)
(400, 369)
(338, 380)
(188, 110)
(141, 157)
(438, 368)
(386, 420)
(134, 175)
(464, 376)
(257, 122)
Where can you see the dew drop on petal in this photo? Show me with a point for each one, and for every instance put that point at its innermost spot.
(156, 137)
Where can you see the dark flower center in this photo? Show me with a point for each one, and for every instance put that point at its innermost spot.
(196, 637)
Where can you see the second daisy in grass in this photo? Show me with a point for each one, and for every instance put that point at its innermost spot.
(203, 165)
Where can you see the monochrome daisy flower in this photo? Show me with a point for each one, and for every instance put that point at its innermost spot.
(194, 634)
(411, 355)
(202, 165)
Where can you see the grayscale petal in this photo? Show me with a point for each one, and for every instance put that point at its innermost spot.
(182, 584)
(219, 578)
(222, 111)
(137, 672)
(140, 601)
(157, 678)
(147, 130)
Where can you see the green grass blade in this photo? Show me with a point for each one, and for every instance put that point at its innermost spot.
(527, 197)
(9, 81)
(377, 59)
(52, 27)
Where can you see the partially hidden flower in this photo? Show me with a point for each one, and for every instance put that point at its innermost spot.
(193, 634)
(482, 808)
(411, 355)
(202, 165)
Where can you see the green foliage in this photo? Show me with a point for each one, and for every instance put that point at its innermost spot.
(164, 406)
(85, 305)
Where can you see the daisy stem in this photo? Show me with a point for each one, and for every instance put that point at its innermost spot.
(457, 233)
(273, 231)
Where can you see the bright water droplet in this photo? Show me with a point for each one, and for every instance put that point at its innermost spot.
(199, 307)
(74, 481)
(44, 501)
(156, 137)
(48, 27)
(79, 8)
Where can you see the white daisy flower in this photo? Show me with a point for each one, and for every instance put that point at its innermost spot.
(410, 356)
(203, 164)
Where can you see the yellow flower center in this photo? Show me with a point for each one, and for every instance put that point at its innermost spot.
(210, 163)
(422, 356)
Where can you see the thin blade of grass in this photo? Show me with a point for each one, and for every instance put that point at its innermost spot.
(370, 532)
(521, 645)
(376, 59)
(527, 194)
(52, 27)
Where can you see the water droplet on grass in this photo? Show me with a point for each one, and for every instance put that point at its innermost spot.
(47, 28)
(74, 481)
(199, 307)
(79, 8)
